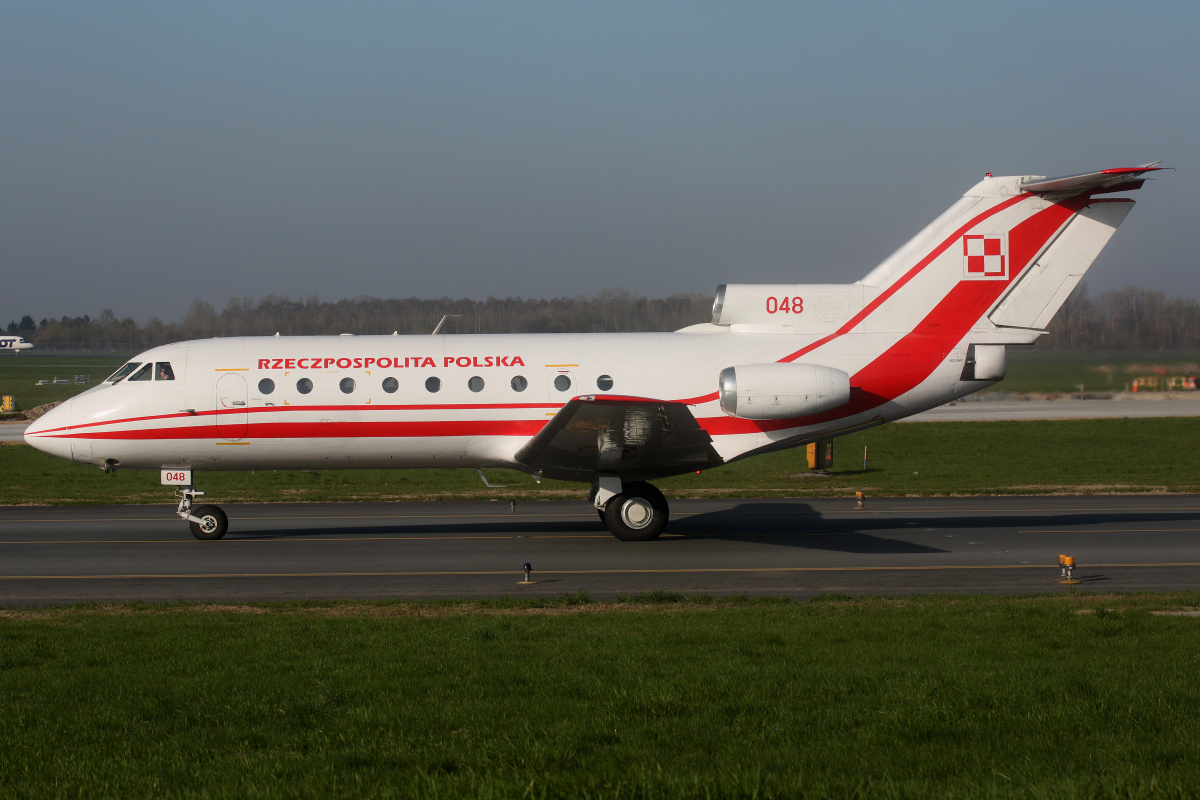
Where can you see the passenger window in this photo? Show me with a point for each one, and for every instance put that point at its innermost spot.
(475, 384)
(562, 383)
(519, 384)
(604, 383)
(163, 372)
(266, 386)
(123, 371)
(304, 386)
(390, 385)
(143, 374)
(347, 385)
(433, 384)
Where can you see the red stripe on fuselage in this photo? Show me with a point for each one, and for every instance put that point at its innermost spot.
(327, 430)
(293, 409)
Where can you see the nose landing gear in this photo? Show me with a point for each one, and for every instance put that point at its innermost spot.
(207, 522)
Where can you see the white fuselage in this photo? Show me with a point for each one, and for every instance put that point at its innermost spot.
(217, 412)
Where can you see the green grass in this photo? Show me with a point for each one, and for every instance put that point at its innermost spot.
(926, 458)
(1054, 697)
(20, 374)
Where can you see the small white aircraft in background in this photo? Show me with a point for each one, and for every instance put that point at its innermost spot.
(15, 344)
(777, 367)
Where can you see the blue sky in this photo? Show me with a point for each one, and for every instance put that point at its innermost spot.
(158, 152)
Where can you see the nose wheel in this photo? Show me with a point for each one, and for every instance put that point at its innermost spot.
(638, 513)
(212, 523)
(207, 522)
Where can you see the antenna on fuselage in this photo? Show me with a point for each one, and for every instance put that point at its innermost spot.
(445, 317)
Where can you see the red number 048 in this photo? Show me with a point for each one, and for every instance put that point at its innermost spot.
(785, 305)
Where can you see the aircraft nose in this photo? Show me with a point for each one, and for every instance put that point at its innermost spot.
(51, 432)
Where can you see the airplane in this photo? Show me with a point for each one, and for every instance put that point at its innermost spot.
(14, 343)
(778, 366)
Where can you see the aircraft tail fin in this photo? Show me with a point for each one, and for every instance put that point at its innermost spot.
(1007, 254)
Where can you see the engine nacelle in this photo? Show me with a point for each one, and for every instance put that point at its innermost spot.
(782, 391)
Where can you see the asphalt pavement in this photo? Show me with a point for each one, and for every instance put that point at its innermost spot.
(754, 547)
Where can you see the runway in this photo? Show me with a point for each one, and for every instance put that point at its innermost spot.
(796, 548)
(981, 408)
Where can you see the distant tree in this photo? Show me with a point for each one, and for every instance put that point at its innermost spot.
(12, 327)
(26, 324)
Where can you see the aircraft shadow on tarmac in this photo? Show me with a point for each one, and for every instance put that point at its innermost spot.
(798, 525)
(778, 524)
(787, 524)
(790, 525)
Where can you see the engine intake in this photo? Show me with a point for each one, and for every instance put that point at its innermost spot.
(782, 391)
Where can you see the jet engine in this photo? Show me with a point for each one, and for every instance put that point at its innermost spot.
(782, 391)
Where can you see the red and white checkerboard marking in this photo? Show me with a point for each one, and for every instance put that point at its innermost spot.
(985, 257)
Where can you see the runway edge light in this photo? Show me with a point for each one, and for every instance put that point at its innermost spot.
(1068, 569)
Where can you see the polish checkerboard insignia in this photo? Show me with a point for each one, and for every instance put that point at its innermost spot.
(985, 257)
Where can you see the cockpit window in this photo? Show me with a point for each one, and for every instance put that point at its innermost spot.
(142, 374)
(163, 371)
(123, 371)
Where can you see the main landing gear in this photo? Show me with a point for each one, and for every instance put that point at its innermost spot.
(207, 522)
(633, 511)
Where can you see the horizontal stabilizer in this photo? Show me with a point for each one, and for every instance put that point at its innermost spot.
(1107, 180)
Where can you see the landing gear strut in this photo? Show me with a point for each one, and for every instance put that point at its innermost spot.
(633, 512)
(207, 522)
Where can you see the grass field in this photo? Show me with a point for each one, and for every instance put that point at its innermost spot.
(19, 376)
(1075, 456)
(1046, 697)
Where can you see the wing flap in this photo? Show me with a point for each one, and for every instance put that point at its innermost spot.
(635, 438)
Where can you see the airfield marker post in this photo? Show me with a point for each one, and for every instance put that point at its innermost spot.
(1069, 570)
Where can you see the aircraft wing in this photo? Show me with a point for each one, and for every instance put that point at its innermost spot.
(1121, 179)
(632, 437)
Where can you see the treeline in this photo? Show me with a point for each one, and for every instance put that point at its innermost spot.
(1127, 319)
(1132, 318)
(608, 311)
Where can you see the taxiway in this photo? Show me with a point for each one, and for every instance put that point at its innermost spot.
(719, 547)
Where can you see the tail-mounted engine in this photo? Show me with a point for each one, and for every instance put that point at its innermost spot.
(782, 391)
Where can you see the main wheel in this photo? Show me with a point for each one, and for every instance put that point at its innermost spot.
(638, 514)
(212, 525)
